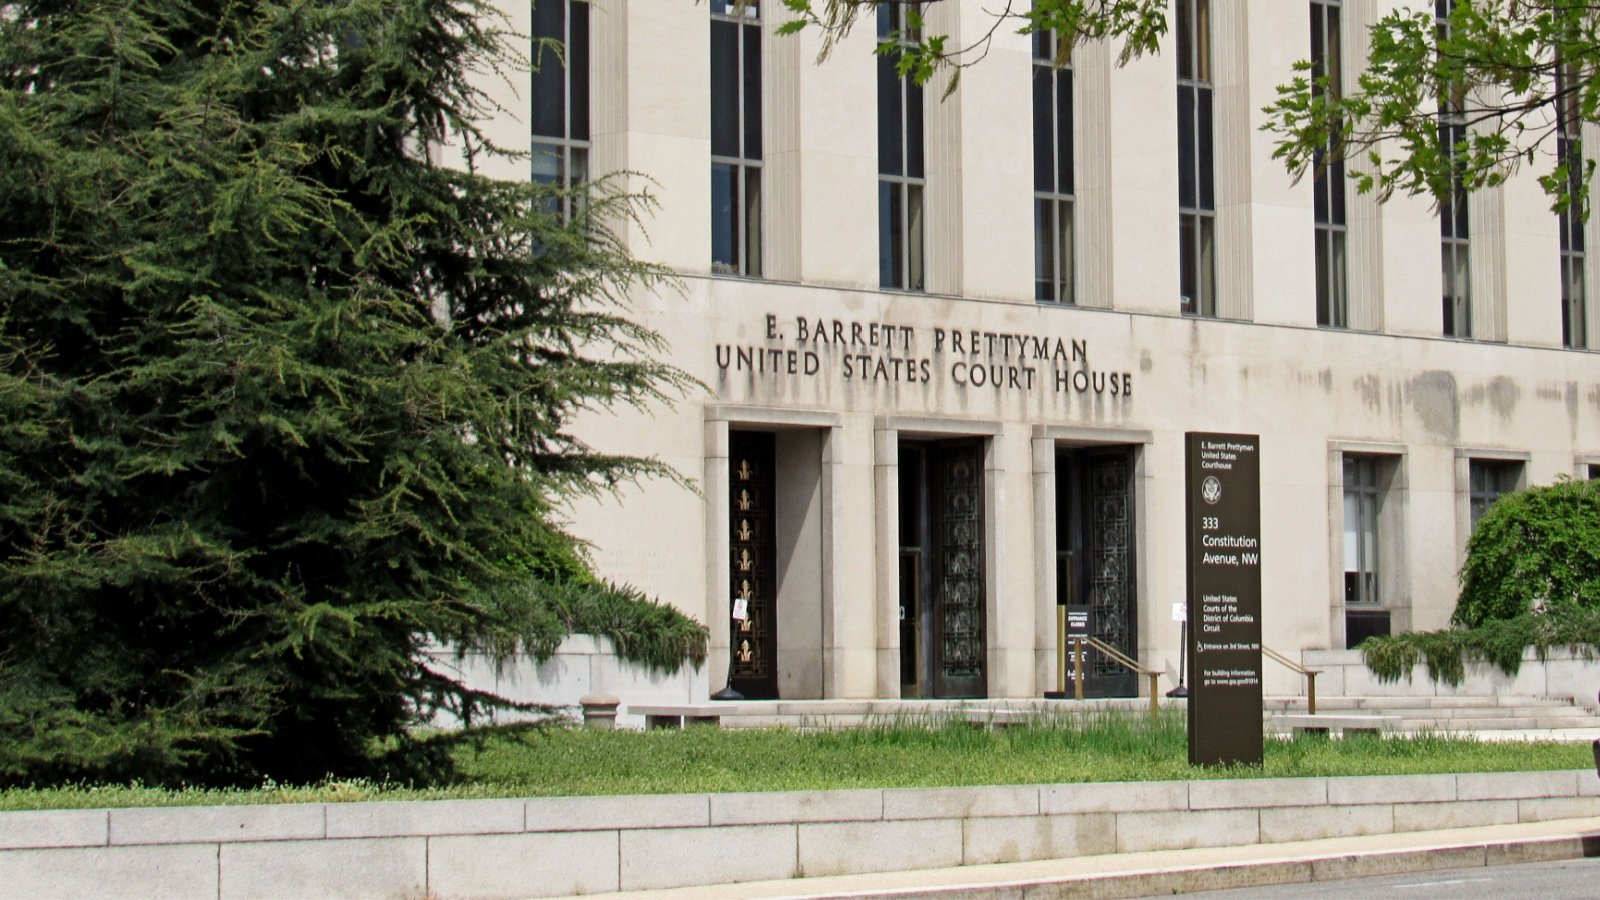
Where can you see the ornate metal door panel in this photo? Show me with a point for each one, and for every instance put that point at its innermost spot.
(753, 573)
(1110, 570)
(959, 646)
(1095, 526)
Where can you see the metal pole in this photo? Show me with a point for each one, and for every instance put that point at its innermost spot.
(1061, 650)
(1183, 658)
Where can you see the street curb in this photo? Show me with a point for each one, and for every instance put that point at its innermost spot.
(1265, 873)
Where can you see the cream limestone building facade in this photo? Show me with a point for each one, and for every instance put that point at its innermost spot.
(902, 483)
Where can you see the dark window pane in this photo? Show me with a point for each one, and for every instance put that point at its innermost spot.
(724, 199)
(1186, 179)
(1188, 286)
(1319, 191)
(1207, 199)
(752, 221)
(888, 229)
(890, 159)
(752, 92)
(546, 159)
(1064, 131)
(1336, 189)
(549, 100)
(913, 129)
(1318, 56)
(1185, 45)
(1044, 262)
(724, 88)
(1043, 130)
(578, 66)
(914, 237)
(1323, 316)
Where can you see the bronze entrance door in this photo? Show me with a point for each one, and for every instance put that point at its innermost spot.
(943, 650)
(753, 565)
(1094, 558)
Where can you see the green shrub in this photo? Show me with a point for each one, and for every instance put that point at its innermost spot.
(1534, 550)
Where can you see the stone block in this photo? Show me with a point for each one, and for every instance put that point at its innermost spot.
(1362, 865)
(523, 865)
(359, 867)
(1137, 831)
(847, 848)
(1462, 814)
(1315, 823)
(1546, 809)
(219, 824)
(1133, 796)
(53, 828)
(1535, 851)
(170, 872)
(960, 803)
(1022, 838)
(424, 817)
(1357, 791)
(614, 813)
(1588, 783)
(682, 857)
(1256, 793)
(1516, 785)
(1163, 882)
(796, 806)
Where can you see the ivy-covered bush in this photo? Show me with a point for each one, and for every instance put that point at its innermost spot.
(1532, 579)
(1534, 551)
(1498, 642)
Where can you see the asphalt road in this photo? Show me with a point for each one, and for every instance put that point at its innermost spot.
(1577, 879)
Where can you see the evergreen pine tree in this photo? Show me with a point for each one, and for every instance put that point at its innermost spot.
(280, 395)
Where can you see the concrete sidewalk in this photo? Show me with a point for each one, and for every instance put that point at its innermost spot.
(1178, 871)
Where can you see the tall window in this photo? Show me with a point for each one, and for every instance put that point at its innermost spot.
(735, 138)
(1454, 235)
(1360, 530)
(1329, 182)
(1197, 205)
(561, 93)
(1052, 173)
(900, 173)
(1487, 479)
(1569, 146)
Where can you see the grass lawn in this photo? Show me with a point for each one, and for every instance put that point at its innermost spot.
(1061, 749)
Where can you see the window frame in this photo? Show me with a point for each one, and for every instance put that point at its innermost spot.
(1197, 218)
(743, 169)
(1455, 231)
(1054, 188)
(1330, 225)
(570, 147)
(902, 179)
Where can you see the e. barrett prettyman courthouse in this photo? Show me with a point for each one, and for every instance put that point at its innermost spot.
(953, 346)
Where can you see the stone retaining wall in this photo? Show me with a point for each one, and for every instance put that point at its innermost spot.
(1562, 673)
(571, 845)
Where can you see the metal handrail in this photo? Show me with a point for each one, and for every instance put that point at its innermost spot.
(1118, 657)
(1310, 674)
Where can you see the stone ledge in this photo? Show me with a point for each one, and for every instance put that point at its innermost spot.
(566, 844)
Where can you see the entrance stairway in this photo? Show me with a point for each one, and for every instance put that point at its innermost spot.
(1489, 717)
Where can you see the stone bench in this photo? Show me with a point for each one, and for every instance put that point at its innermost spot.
(679, 715)
(1323, 723)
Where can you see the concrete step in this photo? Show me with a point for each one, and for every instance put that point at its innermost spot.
(1377, 703)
